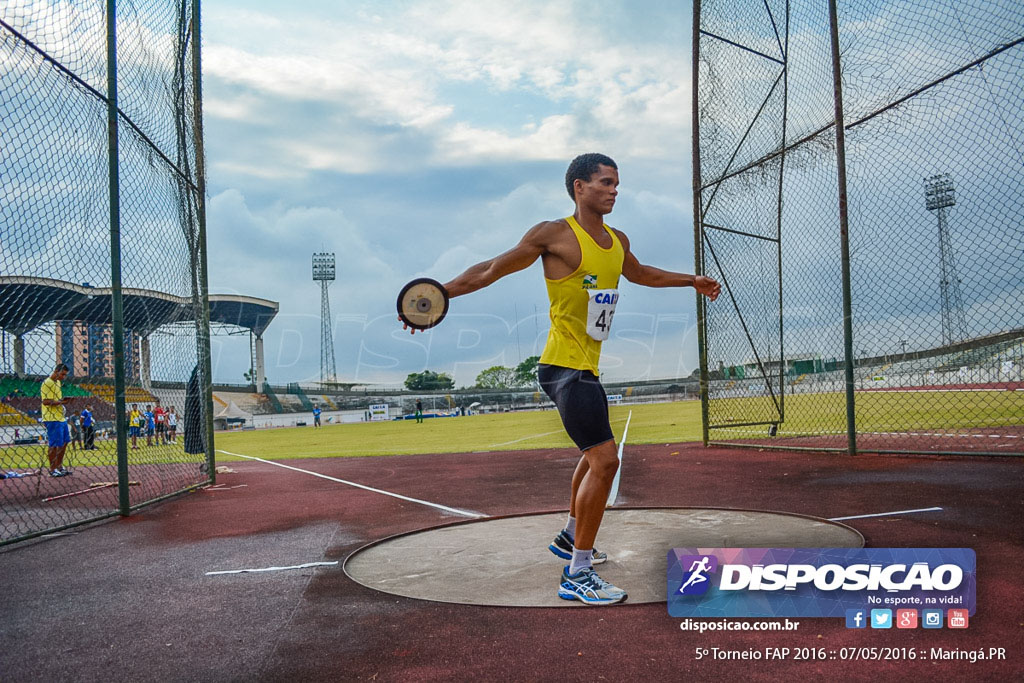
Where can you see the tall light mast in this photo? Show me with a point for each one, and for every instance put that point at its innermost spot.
(939, 196)
(323, 272)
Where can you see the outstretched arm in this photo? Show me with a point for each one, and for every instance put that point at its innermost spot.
(515, 259)
(649, 276)
(521, 256)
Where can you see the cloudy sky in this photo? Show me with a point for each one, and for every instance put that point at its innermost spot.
(416, 138)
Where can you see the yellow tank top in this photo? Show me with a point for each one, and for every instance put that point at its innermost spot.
(568, 344)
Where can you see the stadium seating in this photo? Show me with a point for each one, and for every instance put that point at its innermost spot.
(9, 417)
(17, 386)
(101, 410)
(132, 394)
(978, 357)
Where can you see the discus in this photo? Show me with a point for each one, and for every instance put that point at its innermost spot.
(423, 303)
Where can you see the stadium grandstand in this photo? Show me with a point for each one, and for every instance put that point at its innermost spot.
(994, 362)
(77, 321)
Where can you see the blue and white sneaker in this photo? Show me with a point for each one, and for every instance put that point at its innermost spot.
(562, 547)
(589, 588)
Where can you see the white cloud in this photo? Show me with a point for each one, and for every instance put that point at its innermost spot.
(419, 139)
(394, 70)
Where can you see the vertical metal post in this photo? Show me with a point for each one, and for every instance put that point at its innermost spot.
(117, 302)
(844, 232)
(778, 235)
(204, 287)
(698, 233)
(19, 355)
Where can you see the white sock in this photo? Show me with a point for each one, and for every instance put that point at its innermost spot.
(570, 526)
(581, 559)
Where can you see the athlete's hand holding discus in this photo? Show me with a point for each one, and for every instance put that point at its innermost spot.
(422, 304)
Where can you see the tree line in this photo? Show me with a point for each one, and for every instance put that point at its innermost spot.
(523, 376)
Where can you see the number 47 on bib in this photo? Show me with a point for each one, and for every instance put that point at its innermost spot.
(600, 311)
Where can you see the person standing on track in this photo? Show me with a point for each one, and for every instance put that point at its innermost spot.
(172, 425)
(160, 418)
(88, 429)
(57, 434)
(150, 424)
(134, 417)
(583, 259)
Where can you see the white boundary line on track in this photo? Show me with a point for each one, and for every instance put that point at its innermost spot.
(273, 569)
(454, 511)
(614, 493)
(884, 514)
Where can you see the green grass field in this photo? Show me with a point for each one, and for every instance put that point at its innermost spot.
(651, 423)
(882, 411)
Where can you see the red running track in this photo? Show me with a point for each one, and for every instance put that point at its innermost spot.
(130, 599)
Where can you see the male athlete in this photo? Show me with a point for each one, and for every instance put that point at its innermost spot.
(583, 259)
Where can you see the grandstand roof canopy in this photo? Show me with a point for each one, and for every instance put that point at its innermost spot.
(27, 302)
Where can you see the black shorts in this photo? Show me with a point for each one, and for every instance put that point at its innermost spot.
(581, 402)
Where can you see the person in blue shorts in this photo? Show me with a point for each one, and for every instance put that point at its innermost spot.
(316, 416)
(57, 434)
(150, 424)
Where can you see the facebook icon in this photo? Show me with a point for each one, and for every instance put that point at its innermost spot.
(856, 618)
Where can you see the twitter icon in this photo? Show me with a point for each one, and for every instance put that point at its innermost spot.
(881, 618)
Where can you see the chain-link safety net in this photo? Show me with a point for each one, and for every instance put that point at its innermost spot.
(931, 95)
(59, 282)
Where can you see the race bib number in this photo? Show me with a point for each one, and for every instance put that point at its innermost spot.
(600, 311)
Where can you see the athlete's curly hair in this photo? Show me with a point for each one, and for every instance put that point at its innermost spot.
(583, 168)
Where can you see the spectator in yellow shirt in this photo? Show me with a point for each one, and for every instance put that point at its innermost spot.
(134, 418)
(57, 434)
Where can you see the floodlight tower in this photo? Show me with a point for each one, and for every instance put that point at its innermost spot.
(323, 272)
(939, 195)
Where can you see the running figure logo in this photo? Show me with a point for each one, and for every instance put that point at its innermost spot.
(696, 582)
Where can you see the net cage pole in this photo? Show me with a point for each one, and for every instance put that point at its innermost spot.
(698, 244)
(204, 289)
(844, 229)
(117, 300)
(778, 224)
